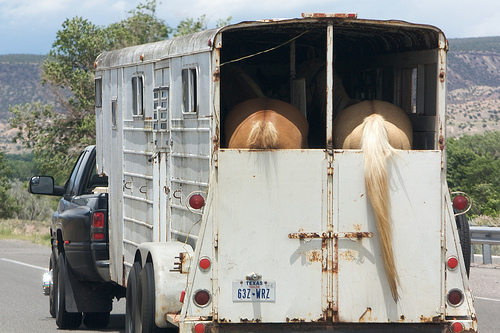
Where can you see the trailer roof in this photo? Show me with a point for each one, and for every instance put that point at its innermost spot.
(376, 37)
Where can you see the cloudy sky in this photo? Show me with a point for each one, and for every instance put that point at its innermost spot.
(30, 26)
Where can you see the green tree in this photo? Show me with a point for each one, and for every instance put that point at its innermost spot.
(141, 27)
(474, 167)
(7, 205)
(22, 166)
(191, 25)
(57, 137)
(58, 132)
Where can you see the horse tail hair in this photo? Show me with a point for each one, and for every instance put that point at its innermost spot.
(263, 135)
(376, 149)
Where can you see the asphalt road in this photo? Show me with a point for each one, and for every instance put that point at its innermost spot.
(23, 307)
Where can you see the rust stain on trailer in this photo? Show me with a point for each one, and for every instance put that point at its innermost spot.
(358, 235)
(295, 320)
(349, 255)
(314, 256)
(124, 283)
(366, 316)
(246, 320)
(324, 247)
(302, 235)
(435, 319)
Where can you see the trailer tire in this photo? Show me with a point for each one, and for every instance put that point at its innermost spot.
(64, 319)
(147, 282)
(52, 302)
(465, 240)
(133, 298)
(96, 320)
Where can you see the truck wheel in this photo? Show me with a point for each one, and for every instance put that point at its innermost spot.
(64, 319)
(147, 282)
(465, 241)
(53, 268)
(133, 298)
(96, 320)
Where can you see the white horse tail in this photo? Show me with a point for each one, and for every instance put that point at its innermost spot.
(263, 135)
(376, 149)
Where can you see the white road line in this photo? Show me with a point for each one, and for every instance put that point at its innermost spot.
(487, 299)
(24, 264)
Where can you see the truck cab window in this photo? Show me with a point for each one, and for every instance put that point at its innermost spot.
(72, 183)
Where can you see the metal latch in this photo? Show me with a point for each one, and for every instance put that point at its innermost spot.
(183, 264)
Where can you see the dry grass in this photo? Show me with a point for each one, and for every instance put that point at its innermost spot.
(34, 231)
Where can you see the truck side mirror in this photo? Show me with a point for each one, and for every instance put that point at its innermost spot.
(42, 185)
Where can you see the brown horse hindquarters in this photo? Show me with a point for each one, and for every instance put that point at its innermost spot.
(263, 123)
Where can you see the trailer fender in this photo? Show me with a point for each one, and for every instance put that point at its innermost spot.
(169, 281)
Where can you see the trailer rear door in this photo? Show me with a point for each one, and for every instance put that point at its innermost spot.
(263, 197)
(362, 291)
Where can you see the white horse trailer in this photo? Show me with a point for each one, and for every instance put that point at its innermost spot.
(210, 239)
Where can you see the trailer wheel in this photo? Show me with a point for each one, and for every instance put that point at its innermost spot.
(147, 282)
(64, 319)
(53, 268)
(133, 298)
(465, 241)
(96, 320)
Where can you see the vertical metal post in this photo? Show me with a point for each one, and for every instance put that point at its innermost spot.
(332, 263)
(487, 260)
(292, 66)
(329, 89)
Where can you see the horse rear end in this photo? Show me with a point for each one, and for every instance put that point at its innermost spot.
(263, 123)
(378, 128)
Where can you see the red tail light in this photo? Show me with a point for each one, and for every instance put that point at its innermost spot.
(452, 262)
(98, 236)
(204, 264)
(457, 327)
(98, 223)
(455, 297)
(183, 295)
(199, 328)
(202, 298)
(460, 202)
(196, 201)
(98, 220)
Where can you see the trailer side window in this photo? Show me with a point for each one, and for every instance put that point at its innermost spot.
(98, 92)
(114, 103)
(160, 112)
(190, 90)
(137, 96)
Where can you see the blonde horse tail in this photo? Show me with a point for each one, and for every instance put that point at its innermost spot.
(376, 149)
(263, 135)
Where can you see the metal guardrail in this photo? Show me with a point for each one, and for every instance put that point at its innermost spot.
(486, 236)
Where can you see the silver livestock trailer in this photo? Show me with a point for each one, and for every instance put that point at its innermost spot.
(211, 239)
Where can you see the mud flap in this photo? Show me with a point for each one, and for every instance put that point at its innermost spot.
(85, 296)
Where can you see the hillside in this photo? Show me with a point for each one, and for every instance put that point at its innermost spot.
(473, 87)
(20, 83)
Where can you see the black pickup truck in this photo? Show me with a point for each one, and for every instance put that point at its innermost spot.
(78, 282)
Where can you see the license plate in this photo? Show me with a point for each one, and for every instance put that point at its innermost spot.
(254, 291)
